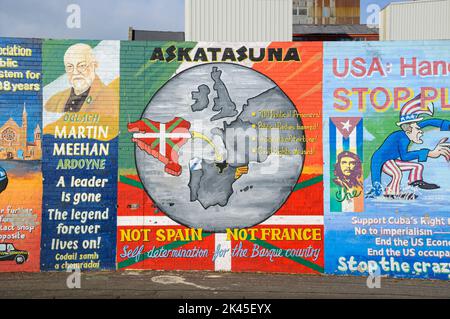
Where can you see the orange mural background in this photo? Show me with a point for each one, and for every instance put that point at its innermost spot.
(303, 85)
(301, 81)
(24, 193)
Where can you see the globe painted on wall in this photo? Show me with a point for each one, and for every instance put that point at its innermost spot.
(241, 154)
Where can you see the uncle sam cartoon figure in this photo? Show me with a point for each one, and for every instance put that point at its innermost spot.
(394, 158)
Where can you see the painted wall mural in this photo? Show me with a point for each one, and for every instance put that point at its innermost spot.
(20, 154)
(297, 157)
(387, 159)
(223, 142)
(81, 108)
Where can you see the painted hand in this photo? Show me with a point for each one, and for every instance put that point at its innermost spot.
(442, 149)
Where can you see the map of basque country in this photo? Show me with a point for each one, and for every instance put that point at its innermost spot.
(210, 181)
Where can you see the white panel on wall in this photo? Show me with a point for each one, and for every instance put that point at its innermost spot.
(238, 20)
(417, 20)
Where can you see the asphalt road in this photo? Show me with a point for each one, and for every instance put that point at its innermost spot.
(209, 285)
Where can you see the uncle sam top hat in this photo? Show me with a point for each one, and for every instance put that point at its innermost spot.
(412, 109)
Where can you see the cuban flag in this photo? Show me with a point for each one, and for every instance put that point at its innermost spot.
(162, 140)
(346, 144)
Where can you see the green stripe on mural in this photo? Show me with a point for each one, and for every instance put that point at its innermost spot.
(308, 183)
(131, 182)
(173, 145)
(140, 79)
(174, 125)
(154, 129)
(155, 143)
(142, 70)
(335, 206)
(299, 186)
(144, 256)
(298, 260)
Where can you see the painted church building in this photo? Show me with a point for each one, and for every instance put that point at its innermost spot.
(13, 140)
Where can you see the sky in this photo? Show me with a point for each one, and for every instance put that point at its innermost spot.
(364, 5)
(100, 19)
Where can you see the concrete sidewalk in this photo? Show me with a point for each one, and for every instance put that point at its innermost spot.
(204, 285)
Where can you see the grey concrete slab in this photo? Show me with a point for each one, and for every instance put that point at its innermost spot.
(211, 285)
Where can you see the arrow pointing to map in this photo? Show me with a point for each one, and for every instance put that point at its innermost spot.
(207, 140)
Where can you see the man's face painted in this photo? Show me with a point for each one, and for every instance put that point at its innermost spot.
(347, 165)
(415, 135)
(80, 67)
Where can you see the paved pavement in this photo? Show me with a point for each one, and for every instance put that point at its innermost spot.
(204, 285)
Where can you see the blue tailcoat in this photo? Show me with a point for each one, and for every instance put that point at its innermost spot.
(396, 147)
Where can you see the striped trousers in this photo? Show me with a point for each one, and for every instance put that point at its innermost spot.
(394, 169)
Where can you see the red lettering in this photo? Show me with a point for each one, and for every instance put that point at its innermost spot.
(425, 68)
(336, 66)
(443, 68)
(361, 92)
(374, 93)
(342, 98)
(376, 66)
(405, 66)
(399, 97)
(358, 64)
(425, 98)
(445, 105)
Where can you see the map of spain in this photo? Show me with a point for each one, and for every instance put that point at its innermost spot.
(162, 140)
(211, 180)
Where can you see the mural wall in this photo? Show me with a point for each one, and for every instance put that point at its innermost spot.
(387, 161)
(219, 146)
(20, 154)
(81, 110)
(297, 157)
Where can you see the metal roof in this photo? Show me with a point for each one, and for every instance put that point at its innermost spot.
(334, 29)
(144, 35)
(409, 2)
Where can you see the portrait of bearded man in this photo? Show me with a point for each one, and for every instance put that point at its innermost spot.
(87, 92)
(348, 171)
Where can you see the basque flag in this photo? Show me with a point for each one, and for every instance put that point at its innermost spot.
(162, 140)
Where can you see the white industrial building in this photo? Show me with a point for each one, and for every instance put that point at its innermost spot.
(416, 20)
(238, 21)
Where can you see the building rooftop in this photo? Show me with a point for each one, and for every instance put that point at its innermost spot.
(334, 29)
(301, 32)
(144, 35)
